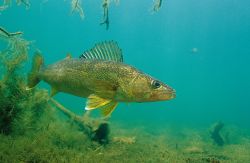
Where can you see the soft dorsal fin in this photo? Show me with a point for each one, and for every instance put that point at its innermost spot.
(108, 50)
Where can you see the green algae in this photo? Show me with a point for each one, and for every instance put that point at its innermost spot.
(65, 143)
(12, 85)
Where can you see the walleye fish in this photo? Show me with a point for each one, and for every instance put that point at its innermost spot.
(100, 76)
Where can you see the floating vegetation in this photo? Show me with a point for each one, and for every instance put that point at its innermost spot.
(7, 3)
(76, 7)
(105, 6)
(157, 5)
(26, 3)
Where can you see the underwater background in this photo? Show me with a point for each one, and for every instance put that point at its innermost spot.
(199, 48)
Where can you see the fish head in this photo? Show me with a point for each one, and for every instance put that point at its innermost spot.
(146, 88)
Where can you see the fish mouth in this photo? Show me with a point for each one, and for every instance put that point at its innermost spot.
(173, 94)
(164, 95)
(170, 94)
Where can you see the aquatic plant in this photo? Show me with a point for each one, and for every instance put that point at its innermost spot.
(16, 50)
(18, 109)
(12, 85)
(63, 141)
(21, 109)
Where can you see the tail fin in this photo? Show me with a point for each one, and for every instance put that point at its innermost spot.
(33, 78)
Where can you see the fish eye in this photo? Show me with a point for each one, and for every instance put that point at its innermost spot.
(156, 84)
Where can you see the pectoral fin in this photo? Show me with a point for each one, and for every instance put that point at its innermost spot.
(94, 102)
(108, 108)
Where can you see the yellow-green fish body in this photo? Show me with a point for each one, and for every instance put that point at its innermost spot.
(102, 77)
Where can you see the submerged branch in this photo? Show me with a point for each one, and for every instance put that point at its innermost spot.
(66, 111)
(97, 130)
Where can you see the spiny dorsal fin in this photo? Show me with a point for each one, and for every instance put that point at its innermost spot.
(108, 50)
